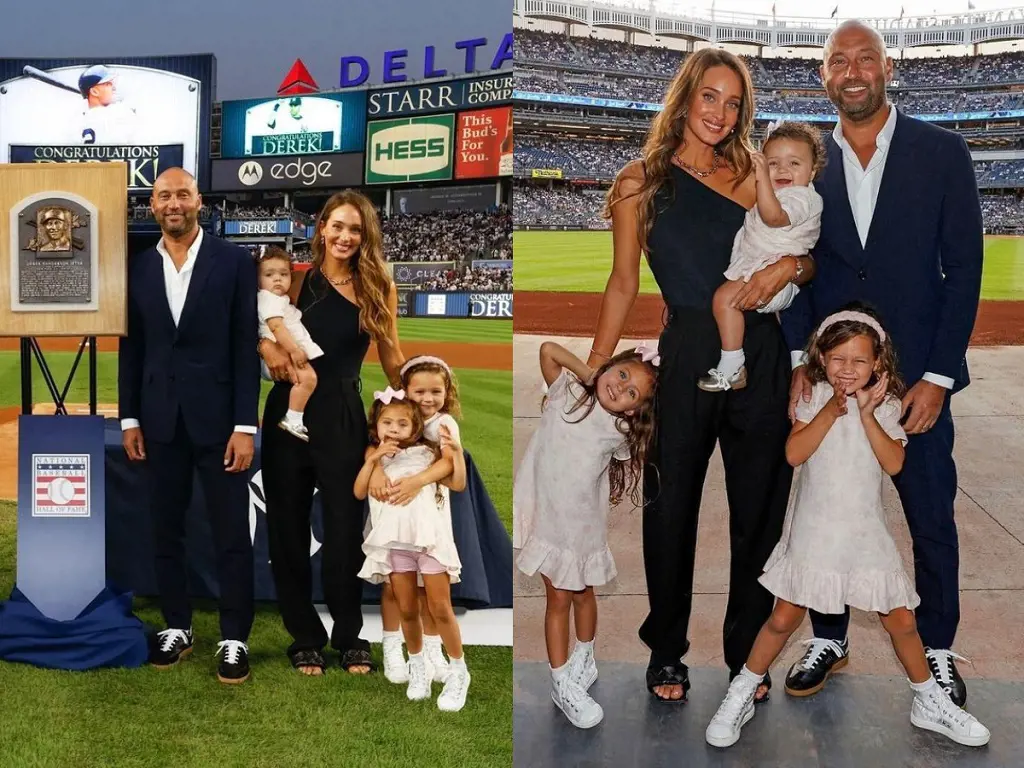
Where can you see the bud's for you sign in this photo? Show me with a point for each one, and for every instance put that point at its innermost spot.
(483, 145)
(409, 149)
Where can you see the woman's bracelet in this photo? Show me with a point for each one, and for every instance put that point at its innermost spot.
(600, 354)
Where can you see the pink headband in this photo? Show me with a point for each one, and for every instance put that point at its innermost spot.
(856, 317)
(420, 359)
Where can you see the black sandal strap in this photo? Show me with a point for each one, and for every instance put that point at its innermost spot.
(309, 657)
(357, 658)
(669, 674)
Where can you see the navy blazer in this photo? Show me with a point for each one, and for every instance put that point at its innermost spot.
(921, 265)
(207, 367)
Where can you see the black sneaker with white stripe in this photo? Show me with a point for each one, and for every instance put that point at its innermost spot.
(234, 662)
(823, 657)
(944, 671)
(169, 647)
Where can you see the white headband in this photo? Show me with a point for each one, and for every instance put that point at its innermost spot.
(420, 359)
(857, 317)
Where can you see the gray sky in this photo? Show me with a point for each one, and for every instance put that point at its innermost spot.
(256, 41)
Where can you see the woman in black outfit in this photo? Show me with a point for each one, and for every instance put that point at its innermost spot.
(347, 299)
(682, 205)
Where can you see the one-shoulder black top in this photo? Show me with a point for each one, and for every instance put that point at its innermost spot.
(691, 240)
(333, 323)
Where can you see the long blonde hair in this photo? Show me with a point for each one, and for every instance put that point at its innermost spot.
(666, 133)
(370, 277)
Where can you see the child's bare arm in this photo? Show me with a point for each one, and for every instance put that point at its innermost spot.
(362, 484)
(282, 335)
(406, 489)
(889, 452)
(805, 438)
(554, 357)
(768, 206)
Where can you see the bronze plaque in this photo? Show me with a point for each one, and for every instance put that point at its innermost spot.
(55, 258)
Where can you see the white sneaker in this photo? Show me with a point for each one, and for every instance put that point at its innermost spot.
(935, 711)
(435, 658)
(736, 711)
(456, 686)
(583, 667)
(396, 669)
(419, 683)
(575, 703)
(298, 429)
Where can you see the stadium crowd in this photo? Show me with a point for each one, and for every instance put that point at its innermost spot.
(448, 235)
(470, 279)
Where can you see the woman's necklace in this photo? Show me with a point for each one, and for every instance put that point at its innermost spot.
(332, 281)
(696, 171)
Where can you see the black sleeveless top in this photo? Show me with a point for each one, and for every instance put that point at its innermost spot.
(691, 240)
(333, 323)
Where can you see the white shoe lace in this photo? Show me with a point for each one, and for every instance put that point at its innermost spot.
(454, 685)
(393, 656)
(169, 637)
(816, 649)
(950, 712)
(417, 674)
(720, 378)
(741, 691)
(231, 649)
(573, 695)
(942, 664)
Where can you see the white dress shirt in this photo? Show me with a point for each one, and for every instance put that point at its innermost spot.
(862, 185)
(176, 282)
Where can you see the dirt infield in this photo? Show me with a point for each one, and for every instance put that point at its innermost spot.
(494, 357)
(575, 314)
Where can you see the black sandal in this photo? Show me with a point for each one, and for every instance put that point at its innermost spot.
(308, 658)
(767, 683)
(357, 658)
(670, 674)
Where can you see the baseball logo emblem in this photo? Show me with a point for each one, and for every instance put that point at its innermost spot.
(250, 173)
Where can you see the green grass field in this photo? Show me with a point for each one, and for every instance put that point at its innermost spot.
(183, 717)
(579, 262)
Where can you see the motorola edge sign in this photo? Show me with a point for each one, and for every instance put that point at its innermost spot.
(288, 172)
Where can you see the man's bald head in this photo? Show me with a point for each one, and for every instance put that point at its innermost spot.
(176, 202)
(854, 27)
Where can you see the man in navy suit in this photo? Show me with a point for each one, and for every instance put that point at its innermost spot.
(188, 380)
(901, 230)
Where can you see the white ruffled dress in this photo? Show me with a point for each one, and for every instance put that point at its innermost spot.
(835, 548)
(560, 496)
(422, 525)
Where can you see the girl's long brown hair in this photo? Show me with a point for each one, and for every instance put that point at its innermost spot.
(666, 133)
(371, 280)
(843, 331)
(638, 428)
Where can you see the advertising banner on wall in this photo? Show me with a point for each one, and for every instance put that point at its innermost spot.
(418, 272)
(296, 172)
(449, 96)
(409, 149)
(476, 197)
(258, 227)
(486, 305)
(129, 110)
(546, 173)
(293, 125)
(483, 144)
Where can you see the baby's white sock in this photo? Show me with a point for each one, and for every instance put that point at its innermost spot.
(730, 361)
(293, 417)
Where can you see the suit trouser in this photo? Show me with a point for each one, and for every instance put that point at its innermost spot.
(173, 466)
(751, 426)
(330, 461)
(927, 488)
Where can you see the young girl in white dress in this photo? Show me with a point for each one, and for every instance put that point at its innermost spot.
(587, 454)
(280, 321)
(835, 549)
(411, 540)
(431, 385)
(785, 222)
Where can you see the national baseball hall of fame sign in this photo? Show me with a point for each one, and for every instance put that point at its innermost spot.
(53, 249)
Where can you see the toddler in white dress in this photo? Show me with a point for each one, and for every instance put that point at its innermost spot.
(587, 453)
(411, 538)
(785, 222)
(281, 322)
(835, 548)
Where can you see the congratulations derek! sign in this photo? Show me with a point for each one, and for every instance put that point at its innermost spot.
(409, 149)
